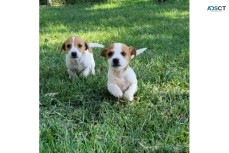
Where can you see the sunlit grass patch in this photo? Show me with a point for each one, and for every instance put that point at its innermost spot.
(174, 14)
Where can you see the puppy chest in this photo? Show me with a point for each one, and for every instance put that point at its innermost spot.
(123, 83)
(75, 65)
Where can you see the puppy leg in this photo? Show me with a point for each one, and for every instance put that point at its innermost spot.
(114, 90)
(71, 74)
(93, 71)
(93, 66)
(129, 93)
(85, 72)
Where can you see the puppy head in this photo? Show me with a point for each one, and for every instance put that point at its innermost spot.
(75, 47)
(118, 55)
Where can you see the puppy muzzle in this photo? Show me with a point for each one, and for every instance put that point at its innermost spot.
(116, 62)
(74, 55)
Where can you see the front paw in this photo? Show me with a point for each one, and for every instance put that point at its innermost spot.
(71, 74)
(85, 73)
(128, 96)
(93, 71)
(117, 93)
(114, 90)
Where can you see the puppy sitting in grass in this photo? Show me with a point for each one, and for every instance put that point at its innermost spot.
(79, 57)
(122, 80)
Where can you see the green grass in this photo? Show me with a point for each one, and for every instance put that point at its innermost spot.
(82, 116)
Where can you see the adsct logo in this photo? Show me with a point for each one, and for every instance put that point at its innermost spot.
(216, 8)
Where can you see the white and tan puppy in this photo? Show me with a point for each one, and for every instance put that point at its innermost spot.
(122, 80)
(79, 57)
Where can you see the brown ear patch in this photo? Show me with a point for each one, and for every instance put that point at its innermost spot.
(107, 51)
(88, 48)
(86, 45)
(67, 44)
(132, 51)
(104, 52)
(62, 47)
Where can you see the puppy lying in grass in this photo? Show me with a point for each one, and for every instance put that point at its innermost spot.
(122, 81)
(79, 56)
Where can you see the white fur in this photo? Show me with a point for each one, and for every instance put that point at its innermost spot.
(84, 65)
(122, 84)
(122, 81)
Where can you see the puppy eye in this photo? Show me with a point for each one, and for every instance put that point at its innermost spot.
(79, 45)
(68, 46)
(123, 53)
(110, 54)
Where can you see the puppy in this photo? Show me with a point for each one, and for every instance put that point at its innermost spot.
(79, 57)
(122, 81)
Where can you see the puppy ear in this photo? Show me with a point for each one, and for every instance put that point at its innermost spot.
(62, 47)
(132, 52)
(86, 46)
(104, 52)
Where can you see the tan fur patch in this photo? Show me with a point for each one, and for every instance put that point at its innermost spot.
(126, 52)
(132, 51)
(107, 51)
(79, 43)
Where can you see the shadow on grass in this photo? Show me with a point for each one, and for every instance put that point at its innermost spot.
(160, 28)
(80, 18)
(126, 23)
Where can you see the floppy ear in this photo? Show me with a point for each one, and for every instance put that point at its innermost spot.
(86, 46)
(132, 52)
(62, 47)
(104, 52)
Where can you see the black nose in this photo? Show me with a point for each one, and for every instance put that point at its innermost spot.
(115, 60)
(74, 55)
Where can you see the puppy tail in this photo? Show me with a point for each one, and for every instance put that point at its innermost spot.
(139, 51)
(96, 45)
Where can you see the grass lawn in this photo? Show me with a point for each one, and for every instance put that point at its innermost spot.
(80, 115)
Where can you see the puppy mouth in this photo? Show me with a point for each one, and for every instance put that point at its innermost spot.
(116, 65)
(74, 57)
